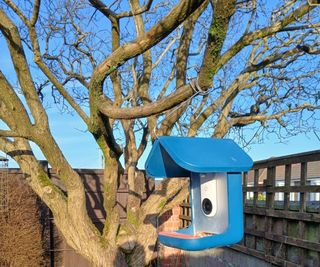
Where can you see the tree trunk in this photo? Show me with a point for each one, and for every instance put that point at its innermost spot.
(108, 258)
(143, 253)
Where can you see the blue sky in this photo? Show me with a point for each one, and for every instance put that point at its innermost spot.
(81, 150)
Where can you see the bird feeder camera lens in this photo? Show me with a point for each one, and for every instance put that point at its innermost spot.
(207, 206)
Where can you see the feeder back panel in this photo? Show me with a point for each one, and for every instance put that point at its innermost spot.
(210, 202)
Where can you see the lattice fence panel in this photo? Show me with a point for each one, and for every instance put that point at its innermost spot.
(281, 210)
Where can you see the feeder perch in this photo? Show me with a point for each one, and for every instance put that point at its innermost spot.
(215, 169)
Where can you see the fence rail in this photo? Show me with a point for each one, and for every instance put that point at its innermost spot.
(281, 210)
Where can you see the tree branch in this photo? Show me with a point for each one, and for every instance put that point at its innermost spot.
(7, 133)
(180, 95)
(252, 118)
(20, 151)
(182, 56)
(35, 14)
(259, 34)
(52, 78)
(222, 12)
(10, 31)
(38, 60)
(99, 5)
(157, 33)
(11, 104)
(17, 11)
(136, 12)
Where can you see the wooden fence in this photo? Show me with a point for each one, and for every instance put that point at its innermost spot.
(281, 207)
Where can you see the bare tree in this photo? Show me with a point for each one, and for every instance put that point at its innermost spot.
(134, 70)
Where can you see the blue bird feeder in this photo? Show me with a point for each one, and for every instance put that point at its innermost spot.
(215, 169)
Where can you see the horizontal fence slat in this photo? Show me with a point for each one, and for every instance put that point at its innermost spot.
(285, 189)
(302, 243)
(292, 215)
(185, 217)
(185, 205)
(286, 160)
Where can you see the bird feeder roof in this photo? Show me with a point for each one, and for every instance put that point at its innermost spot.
(178, 156)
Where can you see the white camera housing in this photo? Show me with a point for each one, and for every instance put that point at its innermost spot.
(208, 192)
(211, 187)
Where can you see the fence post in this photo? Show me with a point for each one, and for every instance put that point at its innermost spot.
(4, 201)
(302, 208)
(270, 184)
(45, 166)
